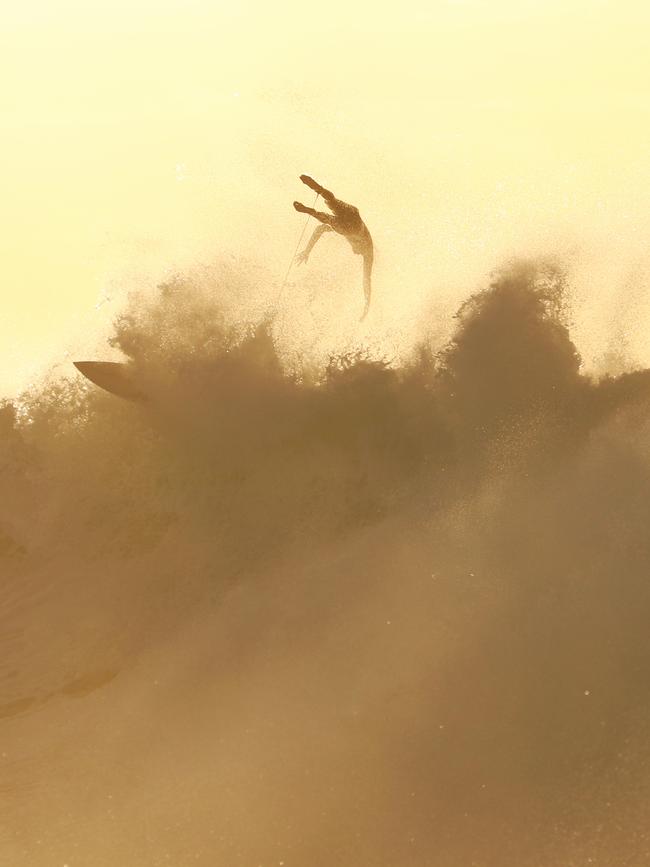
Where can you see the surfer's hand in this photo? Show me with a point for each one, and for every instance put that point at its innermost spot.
(302, 258)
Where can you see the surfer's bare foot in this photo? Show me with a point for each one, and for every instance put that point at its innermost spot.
(300, 207)
(310, 182)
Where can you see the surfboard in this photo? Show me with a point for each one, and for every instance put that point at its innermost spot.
(112, 376)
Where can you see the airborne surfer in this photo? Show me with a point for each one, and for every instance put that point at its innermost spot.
(344, 219)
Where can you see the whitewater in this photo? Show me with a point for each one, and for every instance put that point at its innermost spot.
(365, 612)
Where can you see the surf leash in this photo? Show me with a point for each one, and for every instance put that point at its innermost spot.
(295, 253)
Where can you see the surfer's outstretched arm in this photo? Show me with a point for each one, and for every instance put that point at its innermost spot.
(318, 231)
(367, 282)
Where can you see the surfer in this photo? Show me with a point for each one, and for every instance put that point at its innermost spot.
(344, 219)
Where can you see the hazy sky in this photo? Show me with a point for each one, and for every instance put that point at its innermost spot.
(140, 137)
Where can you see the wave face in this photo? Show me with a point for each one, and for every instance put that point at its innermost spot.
(371, 615)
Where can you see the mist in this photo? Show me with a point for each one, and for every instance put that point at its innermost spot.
(367, 611)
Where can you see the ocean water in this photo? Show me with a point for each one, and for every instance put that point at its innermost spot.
(365, 613)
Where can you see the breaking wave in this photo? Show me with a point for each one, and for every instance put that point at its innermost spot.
(363, 614)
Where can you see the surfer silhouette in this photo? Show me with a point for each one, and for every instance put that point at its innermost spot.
(344, 219)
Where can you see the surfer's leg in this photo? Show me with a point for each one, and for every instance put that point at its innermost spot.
(327, 219)
(325, 195)
(344, 211)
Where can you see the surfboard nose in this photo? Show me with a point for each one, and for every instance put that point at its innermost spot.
(112, 376)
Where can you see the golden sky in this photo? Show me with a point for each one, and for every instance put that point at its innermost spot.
(141, 136)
